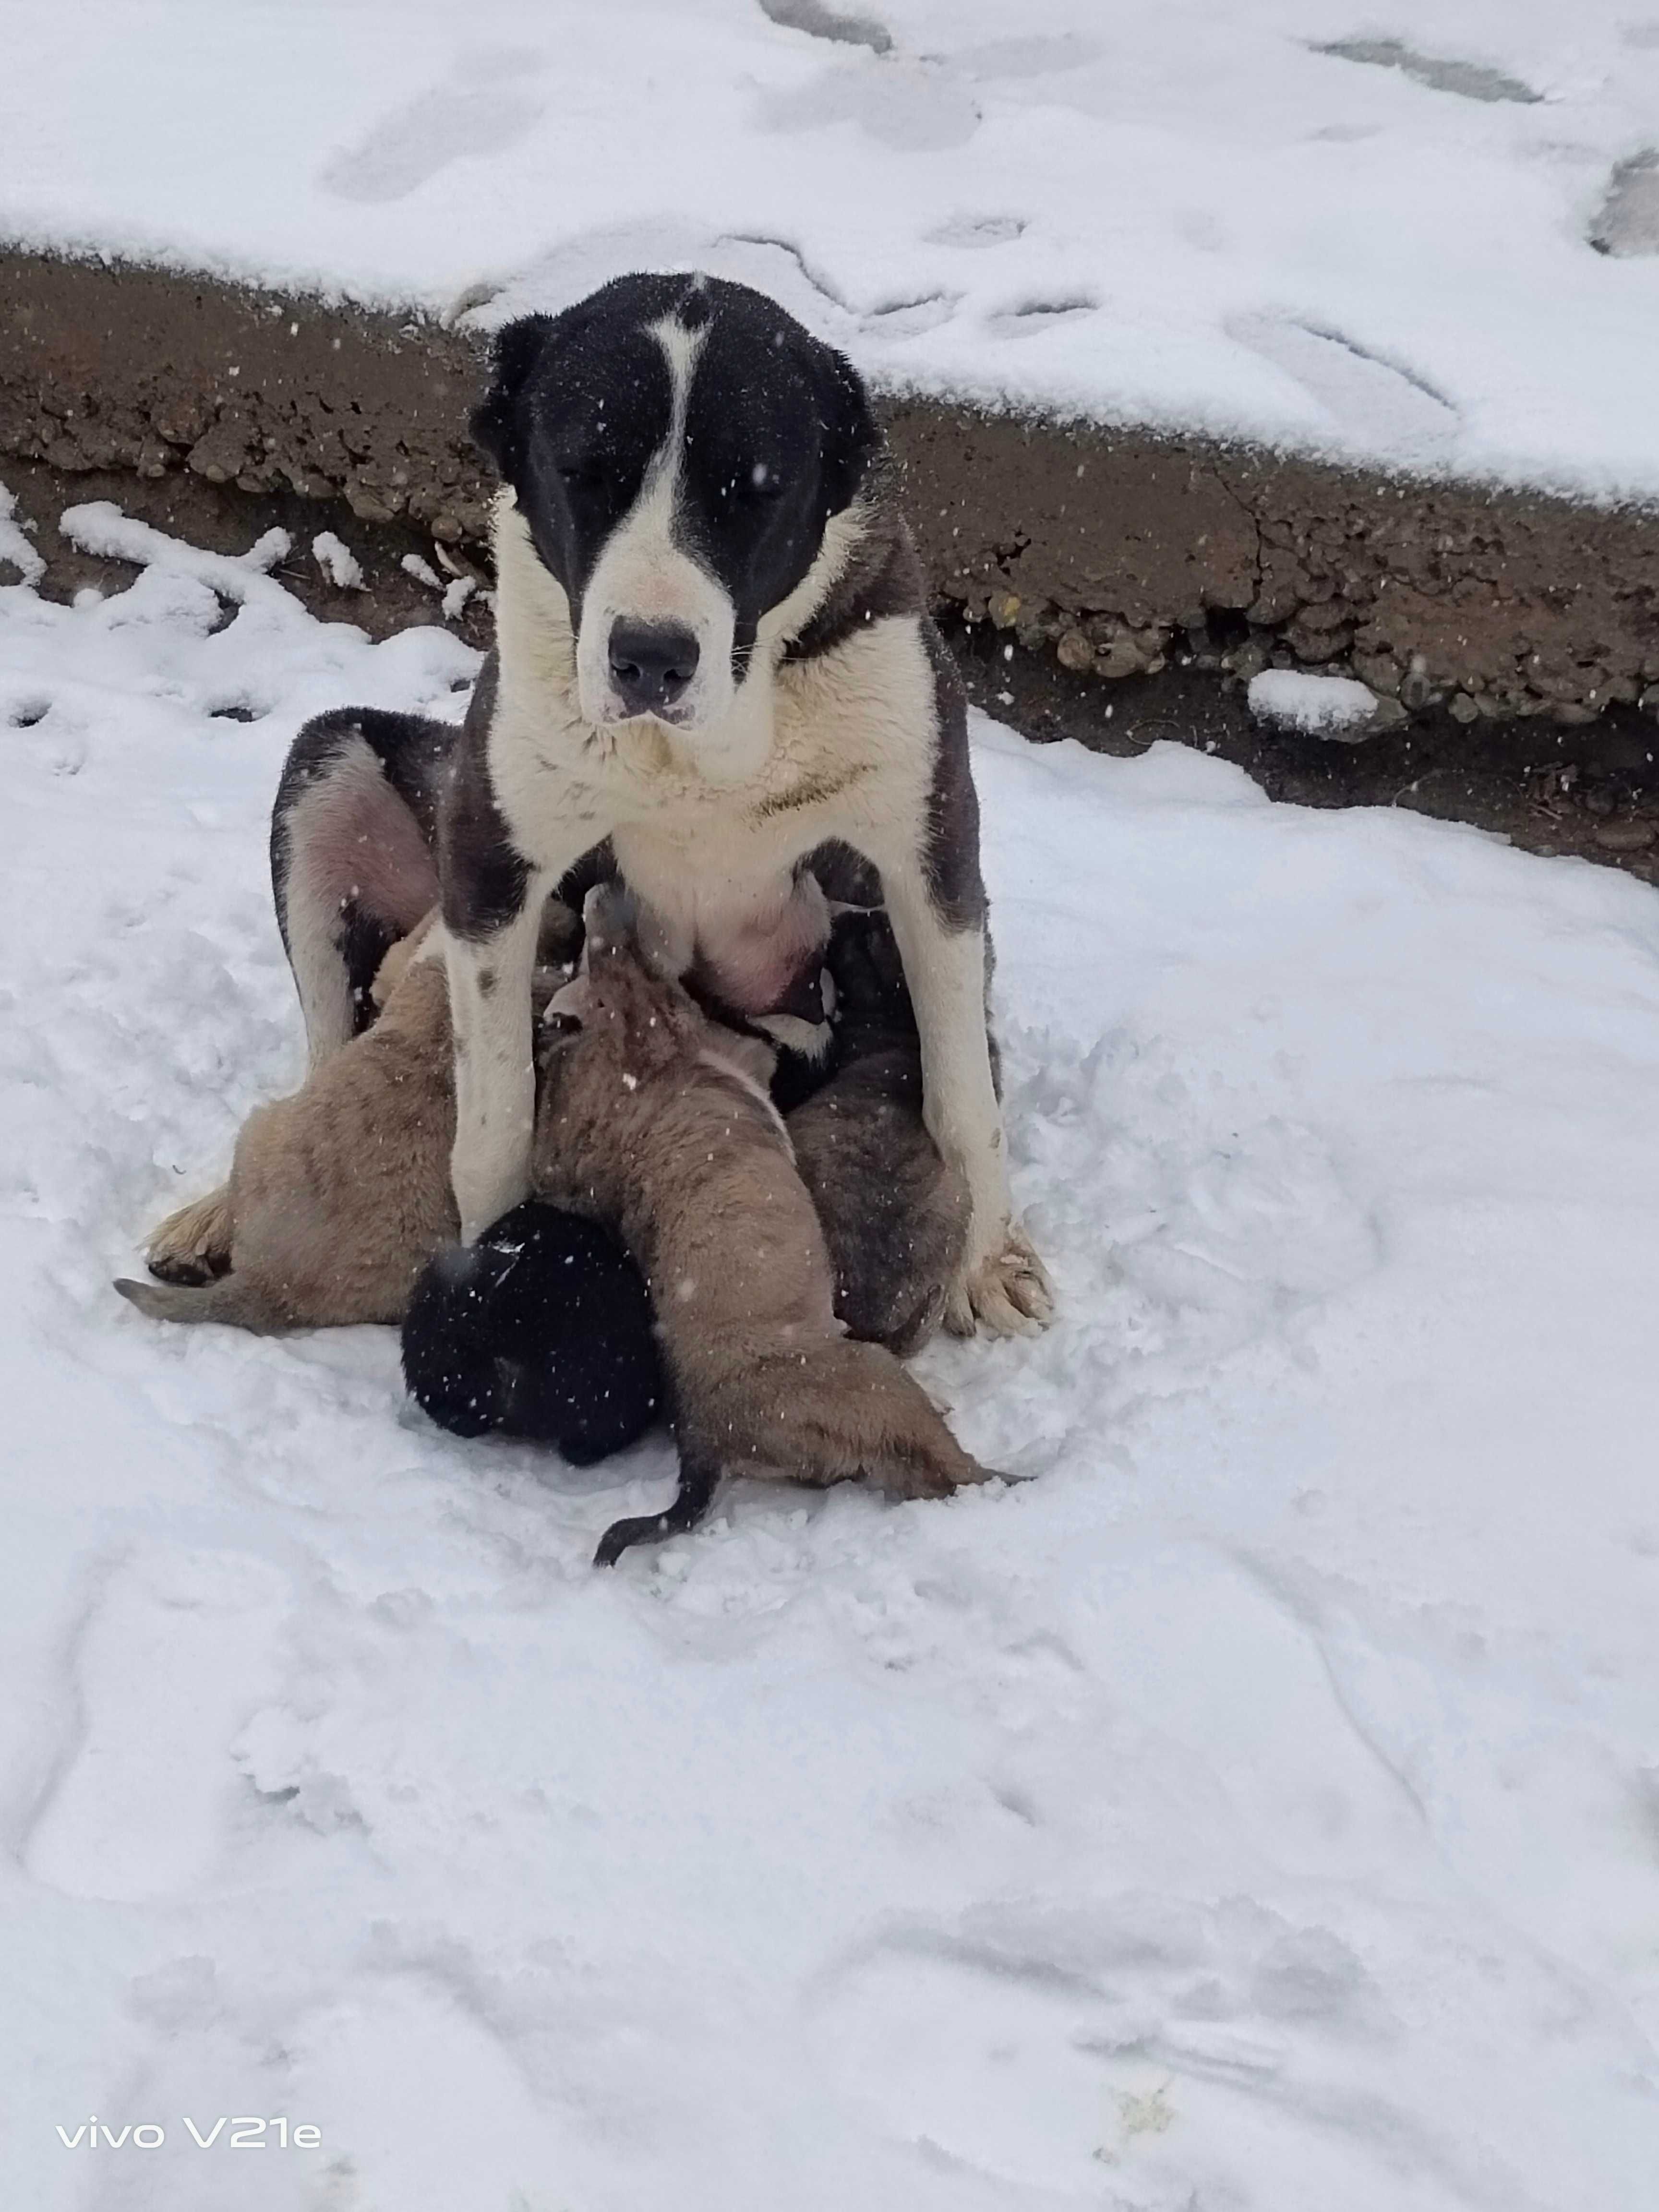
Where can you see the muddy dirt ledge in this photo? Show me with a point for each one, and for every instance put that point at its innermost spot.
(1117, 553)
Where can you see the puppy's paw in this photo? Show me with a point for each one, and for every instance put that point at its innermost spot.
(192, 1246)
(1007, 1293)
(938, 1474)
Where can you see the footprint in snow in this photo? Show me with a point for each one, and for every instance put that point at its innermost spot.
(1012, 58)
(1436, 73)
(483, 109)
(908, 318)
(972, 233)
(1380, 402)
(175, 1651)
(1035, 2043)
(402, 2043)
(819, 20)
(914, 106)
(1626, 224)
(1039, 315)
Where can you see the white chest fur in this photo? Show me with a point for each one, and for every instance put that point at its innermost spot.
(706, 825)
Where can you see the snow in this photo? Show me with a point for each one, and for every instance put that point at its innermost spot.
(1362, 236)
(16, 551)
(457, 593)
(1328, 705)
(413, 564)
(1255, 1808)
(337, 562)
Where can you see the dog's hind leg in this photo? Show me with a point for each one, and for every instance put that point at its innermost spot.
(352, 867)
(699, 1480)
(192, 1245)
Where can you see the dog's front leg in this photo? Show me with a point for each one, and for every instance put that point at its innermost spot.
(1002, 1285)
(495, 1070)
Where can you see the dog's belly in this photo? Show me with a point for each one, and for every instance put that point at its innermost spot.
(753, 930)
(755, 972)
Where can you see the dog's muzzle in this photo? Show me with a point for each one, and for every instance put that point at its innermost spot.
(651, 665)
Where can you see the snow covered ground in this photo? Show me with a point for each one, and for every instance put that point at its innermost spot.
(1258, 1808)
(1369, 232)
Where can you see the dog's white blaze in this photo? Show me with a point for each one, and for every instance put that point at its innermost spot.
(644, 575)
(542, 722)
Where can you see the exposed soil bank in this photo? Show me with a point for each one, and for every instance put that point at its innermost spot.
(1137, 581)
(226, 521)
(1122, 550)
(1592, 791)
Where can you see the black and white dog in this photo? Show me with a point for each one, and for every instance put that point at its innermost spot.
(714, 661)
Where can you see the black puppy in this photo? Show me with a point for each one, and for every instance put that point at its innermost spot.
(540, 1330)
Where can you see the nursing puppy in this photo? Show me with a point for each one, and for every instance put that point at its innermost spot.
(894, 1212)
(339, 1196)
(338, 1210)
(656, 1121)
(354, 874)
(713, 660)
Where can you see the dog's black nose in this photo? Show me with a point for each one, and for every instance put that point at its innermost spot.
(651, 664)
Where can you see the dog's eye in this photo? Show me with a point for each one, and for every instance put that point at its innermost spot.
(579, 475)
(762, 481)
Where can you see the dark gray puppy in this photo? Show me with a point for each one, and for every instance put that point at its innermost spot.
(894, 1212)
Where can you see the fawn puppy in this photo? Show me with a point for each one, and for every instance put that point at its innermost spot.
(339, 1196)
(657, 1121)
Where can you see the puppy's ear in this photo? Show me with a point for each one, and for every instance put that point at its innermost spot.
(496, 419)
(851, 437)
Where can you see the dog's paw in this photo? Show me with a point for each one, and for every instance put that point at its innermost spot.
(192, 1246)
(1007, 1293)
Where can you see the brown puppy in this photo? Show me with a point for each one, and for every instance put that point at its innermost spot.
(656, 1120)
(339, 1196)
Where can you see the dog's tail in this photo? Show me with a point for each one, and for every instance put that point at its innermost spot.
(234, 1300)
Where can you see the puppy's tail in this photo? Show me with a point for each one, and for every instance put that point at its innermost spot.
(699, 1479)
(233, 1300)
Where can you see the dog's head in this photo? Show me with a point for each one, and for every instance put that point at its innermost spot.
(677, 447)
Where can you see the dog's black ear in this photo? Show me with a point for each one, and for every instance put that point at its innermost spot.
(851, 435)
(494, 425)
